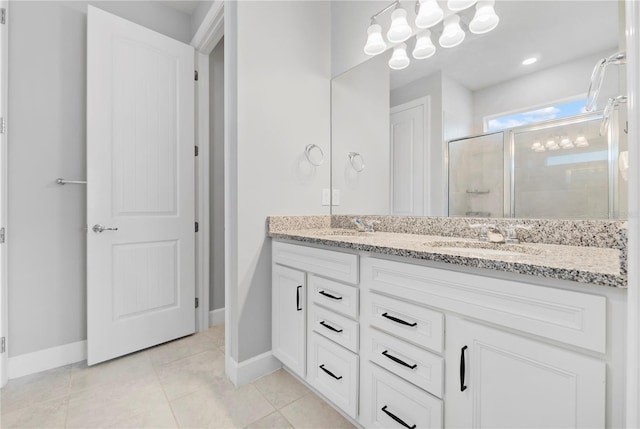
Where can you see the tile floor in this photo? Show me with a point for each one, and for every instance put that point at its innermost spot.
(177, 384)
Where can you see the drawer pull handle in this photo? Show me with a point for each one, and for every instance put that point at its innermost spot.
(462, 368)
(329, 372)
(328, 295)
(400, 321)
(397, 419)
(329, 327)
(400, 361)
(298, 298)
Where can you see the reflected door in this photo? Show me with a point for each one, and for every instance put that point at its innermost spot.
(409, 185)
(140, 194)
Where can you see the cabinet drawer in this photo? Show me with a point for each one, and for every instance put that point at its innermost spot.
(388, 400)
(412, 363)
(327, 263)
(567, 316)
(333, 295)
(333, 370)
(335, 327)
(411, 322)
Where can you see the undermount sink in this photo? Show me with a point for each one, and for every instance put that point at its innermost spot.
(484, 249)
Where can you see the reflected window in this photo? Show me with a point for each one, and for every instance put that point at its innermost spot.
(513, 120)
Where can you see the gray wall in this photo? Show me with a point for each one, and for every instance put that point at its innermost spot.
(216, 177)
(198, 15)
(278, 103)
(46, 140)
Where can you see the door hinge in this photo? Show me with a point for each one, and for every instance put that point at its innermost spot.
(3, 345)
(3, 125)
(3, 15)
(195, 75)
(197, 305)
(196, 150)
(2, 235)
(197, 227)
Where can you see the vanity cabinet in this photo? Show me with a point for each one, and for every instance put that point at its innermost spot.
(369, 335)
(496, 379)
(288, 306)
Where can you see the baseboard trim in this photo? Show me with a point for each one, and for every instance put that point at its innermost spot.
(216, 317)
(251, 369)
(42, 360)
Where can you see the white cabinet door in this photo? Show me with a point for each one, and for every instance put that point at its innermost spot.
(288, 319)
(140, 188)
(513, 382)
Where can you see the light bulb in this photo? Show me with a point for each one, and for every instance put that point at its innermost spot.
(400, 29)
(550, 143)
(458, 5)
(581, 141)
(375, 43)
(453, 34)
(429, 14)
(536, 145)
(539, 149)
(485, 18)
(566, 143)
(424, 46)
(399, 59)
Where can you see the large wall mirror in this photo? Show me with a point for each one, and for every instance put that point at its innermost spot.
(493, 127)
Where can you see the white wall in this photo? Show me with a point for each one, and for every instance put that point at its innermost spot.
(457, 109)
(279, 103)
(216, 177)
(199, 14)
(542, 87)
(46, 236)
(360, 112)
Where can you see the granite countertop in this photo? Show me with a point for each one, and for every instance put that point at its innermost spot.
(595, 265)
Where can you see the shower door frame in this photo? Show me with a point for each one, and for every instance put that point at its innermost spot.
(613, 135)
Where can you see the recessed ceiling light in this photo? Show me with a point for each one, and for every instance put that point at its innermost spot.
(529, 61)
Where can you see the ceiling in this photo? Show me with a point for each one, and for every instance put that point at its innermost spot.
(553, 31)
(185, 6)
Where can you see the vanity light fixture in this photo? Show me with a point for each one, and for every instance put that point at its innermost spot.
(375, 43)
(453, 34)
(581, 141)
(424, 46)
(400, 29)
(458, 5)
(429, 14)
(529, 61)
(399, 60)
(485, 18)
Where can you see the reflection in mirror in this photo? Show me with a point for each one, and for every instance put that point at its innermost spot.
(402, 121)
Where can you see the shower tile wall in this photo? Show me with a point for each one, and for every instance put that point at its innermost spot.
(561, 182)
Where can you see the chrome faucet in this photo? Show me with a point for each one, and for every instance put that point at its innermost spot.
(363, 226)
(512, 233)
(484, 230)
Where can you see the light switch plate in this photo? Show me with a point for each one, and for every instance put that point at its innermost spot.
(326, 197)
(335, 199)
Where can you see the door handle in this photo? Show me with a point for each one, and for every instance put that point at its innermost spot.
(298, 298)
(98, 228)
(462, 369)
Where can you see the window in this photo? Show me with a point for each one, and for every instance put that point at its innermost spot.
(556, 111)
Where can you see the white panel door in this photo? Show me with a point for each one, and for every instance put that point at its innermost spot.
(140, 174)
(409, 187)
(495, 379)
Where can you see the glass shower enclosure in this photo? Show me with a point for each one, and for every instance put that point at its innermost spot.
(555, 169)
